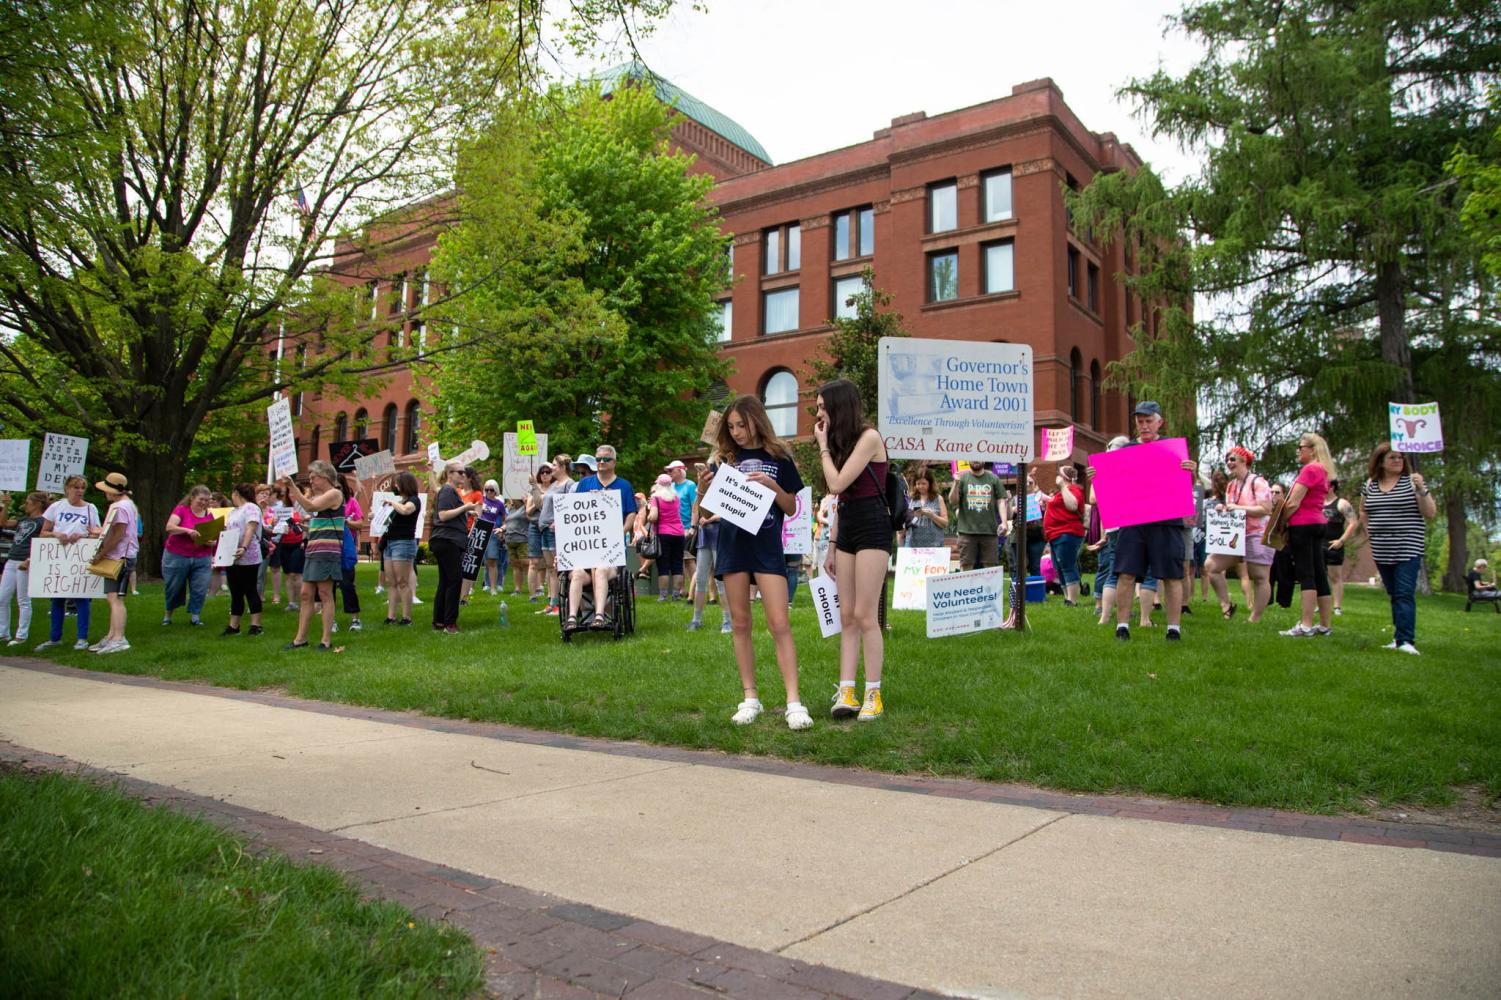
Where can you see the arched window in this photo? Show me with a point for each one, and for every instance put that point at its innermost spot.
(780, 397)
(361, 423)
(1075, 372)
(388, 429)
(341, 427)
(414, 428)
(1094, 394)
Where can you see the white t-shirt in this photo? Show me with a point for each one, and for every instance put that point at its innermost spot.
(235, 524)
(70, 520)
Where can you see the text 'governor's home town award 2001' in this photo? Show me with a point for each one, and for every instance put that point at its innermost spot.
(953, 399)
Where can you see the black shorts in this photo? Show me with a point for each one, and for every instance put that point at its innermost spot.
(1157, 547)
(1334, 557)
(292, 558)
(863, 524)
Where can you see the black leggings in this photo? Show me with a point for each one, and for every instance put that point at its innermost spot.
(670, 562)
(350, 592)
(1307, 543)
(450, 557)
(243, 589)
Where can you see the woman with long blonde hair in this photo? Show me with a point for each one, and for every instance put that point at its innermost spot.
(1305, 535)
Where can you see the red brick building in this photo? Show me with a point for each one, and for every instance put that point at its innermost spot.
(960, 216)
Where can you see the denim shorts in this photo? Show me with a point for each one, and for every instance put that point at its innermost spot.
(549, 540)
(403, 550)
(533, 541)
(493, 546)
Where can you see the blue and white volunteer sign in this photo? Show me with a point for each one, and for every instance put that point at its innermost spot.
(965, 602)
(951, 399)
(588, 530)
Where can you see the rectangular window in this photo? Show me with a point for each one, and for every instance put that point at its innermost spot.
(943, 207)
(772, 258)
(867, 229)
(943, 276)
(845, 290)
(1000, 267)
(375, 300)
(1093, 289)
(1073, 273)
(794, 247)
(997, 188)
(842, 235)
(393, 302)
(726, 319)
(779, 310)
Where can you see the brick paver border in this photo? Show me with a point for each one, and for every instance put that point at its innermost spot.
(1276, 821)
(535, 945)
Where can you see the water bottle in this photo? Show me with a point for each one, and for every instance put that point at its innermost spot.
(505, 619)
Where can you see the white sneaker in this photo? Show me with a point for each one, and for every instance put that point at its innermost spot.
(746, 712)
(354, 625)
(18, 640)
(82, 644)
(1298, 632)
(96, 647)
(416, 600)
(798, 717)
(1321, 630)
(1408, 647)
(118, 646)
(1390, 645)
(379, 590)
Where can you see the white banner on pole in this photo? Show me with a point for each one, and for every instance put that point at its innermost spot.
(59, 570)
(588, 530)
(951, 399)
(737, 499)
(1224, 534)
(965, 602)
(283, 438)
(518, 468)
(797, 527)
(913, 567)
(826, 604)
(62, 456)
(15, 460)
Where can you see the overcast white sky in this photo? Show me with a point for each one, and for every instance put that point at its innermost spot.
(808, 76)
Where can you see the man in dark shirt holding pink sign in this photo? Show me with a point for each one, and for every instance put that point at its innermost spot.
(1147, 491)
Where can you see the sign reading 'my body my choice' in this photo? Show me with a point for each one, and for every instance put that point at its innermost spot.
(588, 530)
(1415, 427)
(737, 499)
(949, 399)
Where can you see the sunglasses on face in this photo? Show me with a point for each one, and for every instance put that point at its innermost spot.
(599, 458)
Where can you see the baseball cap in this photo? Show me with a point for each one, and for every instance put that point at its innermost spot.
(674, 465)
(664, 480)
(1147, 408)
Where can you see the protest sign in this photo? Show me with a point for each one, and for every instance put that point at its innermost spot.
(797, 527)
(738, 500)
(526, 438)
(1224, 534)
(587, 527)
(433, 460)
(344, 454)
(280, 514)
(382, 463)
(283, 438)
(710, 435)
(477, 451)
(1143, 483)
(59, 570)
(62, 456)
(959, 467)
(1034, 507)
(913, 567)
(492, 509)
(1416, 427)
(965, 602)
(15, 460)
(474, 548)
(380, 512)
(1056, 443)
(949, 399)
(826, 604)
(516, 468)
(224, 549)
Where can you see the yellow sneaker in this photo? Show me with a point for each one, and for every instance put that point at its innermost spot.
(845, 704)
(872, 709)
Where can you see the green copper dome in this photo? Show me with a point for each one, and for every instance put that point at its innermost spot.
(684, 102)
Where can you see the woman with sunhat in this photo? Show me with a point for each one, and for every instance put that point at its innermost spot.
(122, 541)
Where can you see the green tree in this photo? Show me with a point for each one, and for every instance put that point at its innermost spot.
(1320, 227)
(599, 325)
(170, 175)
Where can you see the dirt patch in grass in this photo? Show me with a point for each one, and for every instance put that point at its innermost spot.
(1472, 809)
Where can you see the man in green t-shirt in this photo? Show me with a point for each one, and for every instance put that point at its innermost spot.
(977, 498)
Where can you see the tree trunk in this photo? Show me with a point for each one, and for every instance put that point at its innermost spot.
(1391, 310)
(156, 475)
(1459, 542)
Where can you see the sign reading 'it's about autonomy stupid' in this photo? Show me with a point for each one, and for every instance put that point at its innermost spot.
(950, 399)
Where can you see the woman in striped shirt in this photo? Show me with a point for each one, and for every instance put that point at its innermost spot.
(325, 547)
(1394, 503)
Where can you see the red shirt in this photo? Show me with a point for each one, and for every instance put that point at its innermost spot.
(1057, 519)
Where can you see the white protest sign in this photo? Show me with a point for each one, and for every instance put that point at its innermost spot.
(382, 463)
(826, 604)
(516, 467)
(59, 570)
(283, 438)
(738, 500)
(797, 527)
(477, 451)
(62, 456)
(913, 567)
(1057, 444)
(224, 551)
(1224, 534)
(15, 459)
(965, 602)
(380, 512)
(588, 530)
(433, 460)
(1415, 427)
(949, 399)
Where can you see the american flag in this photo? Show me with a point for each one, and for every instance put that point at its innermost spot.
(302, 205)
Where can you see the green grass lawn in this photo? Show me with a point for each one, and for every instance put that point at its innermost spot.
(103, 897)
(1234, 714)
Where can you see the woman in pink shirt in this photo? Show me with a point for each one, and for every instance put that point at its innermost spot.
(664, 509)
(185, 561)
(1305, 535)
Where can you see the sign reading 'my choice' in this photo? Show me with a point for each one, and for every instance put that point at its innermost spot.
(950, 399)
(826, 604)
(588, 532)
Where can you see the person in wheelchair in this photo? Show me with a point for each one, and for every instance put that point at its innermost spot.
(599, 578)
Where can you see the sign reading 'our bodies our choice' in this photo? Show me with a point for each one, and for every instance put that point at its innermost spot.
(965, 602)
(588, 530)
(737, 499)
(949, 399)
(1415, 427)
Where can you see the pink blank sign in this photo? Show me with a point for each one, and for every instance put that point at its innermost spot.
(1143, 483)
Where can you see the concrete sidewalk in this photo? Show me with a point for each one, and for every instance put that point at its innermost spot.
(951, 895)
